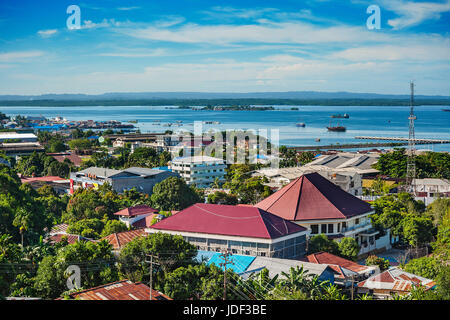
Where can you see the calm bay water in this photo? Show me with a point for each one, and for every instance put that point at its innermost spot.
(431, 121)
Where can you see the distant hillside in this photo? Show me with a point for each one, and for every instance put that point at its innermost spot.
(291, 95)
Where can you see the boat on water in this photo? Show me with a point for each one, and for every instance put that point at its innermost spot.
(300, 124)
(341, 116)
(317, 139)
(445, 109)
(337, 129)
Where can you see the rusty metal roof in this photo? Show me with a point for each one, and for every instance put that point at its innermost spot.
(120, 290)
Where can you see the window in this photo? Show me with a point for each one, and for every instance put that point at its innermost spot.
(323, 228)
(339, 227)
(314, 229)
(330, 228)
(357, 221)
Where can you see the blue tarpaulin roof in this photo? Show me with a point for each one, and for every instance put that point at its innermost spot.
(241, 262)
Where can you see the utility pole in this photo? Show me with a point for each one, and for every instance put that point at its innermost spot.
(151, 256)
(224, 264)
(353, 282)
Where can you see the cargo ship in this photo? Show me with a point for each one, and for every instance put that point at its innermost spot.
(344, 116)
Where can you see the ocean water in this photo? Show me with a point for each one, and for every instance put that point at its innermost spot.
(387, 121)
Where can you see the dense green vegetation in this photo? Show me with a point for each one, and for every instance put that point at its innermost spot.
(428, 165)
(40, 164)
(247, 189)
(346, 248)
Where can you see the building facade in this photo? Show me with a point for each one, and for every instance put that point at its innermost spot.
(142, 179)
(199, 170)
(241, 230)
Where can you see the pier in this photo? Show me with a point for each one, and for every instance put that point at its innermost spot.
(416, 140)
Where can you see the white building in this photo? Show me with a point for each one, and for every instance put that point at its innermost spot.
(199, 170)
(347, 179)
(428, 190)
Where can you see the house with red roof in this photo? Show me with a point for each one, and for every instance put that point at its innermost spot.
(322, 207)
(242, 230)
(119, 290)
(347, 270)
(119, 239)
(132, 215)
(393, 281)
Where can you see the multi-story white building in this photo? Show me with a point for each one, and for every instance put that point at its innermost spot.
(199, 170)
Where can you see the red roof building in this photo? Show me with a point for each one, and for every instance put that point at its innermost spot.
(71, 238)
(333, 261)
(145, 222)
(313, 197)
(120, 290)
(131, 215)
(120, 239)
(136, 211)
(74, 158)
(321, 206)
(244, 230)
(393, 280)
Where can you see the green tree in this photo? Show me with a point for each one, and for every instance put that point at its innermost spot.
(417, 230)
(427, 267)
(94, 258)
(172, 251)
(348, 248)
(173, 194)
(79, 144)
(374, 260)
(89, 228)
(320, 243)
(113, 226)
(220, 197)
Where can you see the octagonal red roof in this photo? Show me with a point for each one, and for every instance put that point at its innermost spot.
(313, 197)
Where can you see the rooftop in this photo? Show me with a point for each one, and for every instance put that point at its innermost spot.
(228, 220)
(120, 290)
(136, 211)
(196, 159)
(397, 280)
(108, 173)
(277, 266)
(331, 259)
(313, 197)
(120, 239)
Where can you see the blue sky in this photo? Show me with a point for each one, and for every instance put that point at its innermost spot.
(224, 46)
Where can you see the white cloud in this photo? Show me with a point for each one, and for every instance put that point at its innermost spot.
(276, 33)
(47, 33)
(127, 8)
(414, 13)
(396, 53)
(131, 54)
(18, 56)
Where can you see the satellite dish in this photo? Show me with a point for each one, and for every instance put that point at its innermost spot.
(101, 139)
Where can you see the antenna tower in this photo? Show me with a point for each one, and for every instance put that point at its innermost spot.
(411, 164)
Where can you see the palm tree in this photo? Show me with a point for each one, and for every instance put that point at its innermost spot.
(333, 293)
(216, 184)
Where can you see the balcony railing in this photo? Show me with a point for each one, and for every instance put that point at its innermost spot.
(352, 228)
